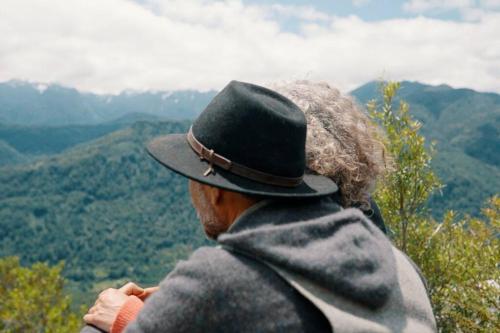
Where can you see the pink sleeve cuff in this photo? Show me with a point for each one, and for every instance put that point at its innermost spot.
(128, 312)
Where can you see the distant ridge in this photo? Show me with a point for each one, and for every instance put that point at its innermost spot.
(47, 140)
(100, 203)
(466, 126)
(464, 123)
(9, 155)
(131, 118)
(33, 141)
(25, 103)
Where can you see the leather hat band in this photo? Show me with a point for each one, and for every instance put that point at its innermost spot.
(238, 169)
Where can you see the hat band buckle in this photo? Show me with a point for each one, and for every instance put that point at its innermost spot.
(213, 158)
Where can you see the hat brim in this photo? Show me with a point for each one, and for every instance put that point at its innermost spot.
(174, 152)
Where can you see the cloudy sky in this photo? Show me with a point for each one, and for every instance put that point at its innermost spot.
(107, 46)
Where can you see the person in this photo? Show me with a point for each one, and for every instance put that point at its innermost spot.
(342, 143)
(289, 259)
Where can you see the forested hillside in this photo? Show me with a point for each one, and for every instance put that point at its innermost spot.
(91, 196)
(9, 155)
(106, 208)
(24, 144)
(47, 140)
(465, 125)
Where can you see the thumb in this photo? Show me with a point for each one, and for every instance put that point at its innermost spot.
(131, 289)
(147, 292)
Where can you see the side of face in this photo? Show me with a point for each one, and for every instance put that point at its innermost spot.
(204, 199)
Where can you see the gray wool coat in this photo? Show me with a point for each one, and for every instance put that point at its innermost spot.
(302, 266)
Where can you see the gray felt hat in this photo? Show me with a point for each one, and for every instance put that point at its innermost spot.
(249, 139)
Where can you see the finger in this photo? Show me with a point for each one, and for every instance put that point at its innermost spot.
(89, 318)
(131, 289)
(151, 290)
(147, 292)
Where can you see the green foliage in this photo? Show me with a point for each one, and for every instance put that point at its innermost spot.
(465, 126)
(468, 183)
(485, 146)
(106, 208)
(9, 155)
(37, 140)
(459, 258)
(408, 187)
(33, 299)
(113, 214)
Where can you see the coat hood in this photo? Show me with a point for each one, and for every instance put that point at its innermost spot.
(337, 249)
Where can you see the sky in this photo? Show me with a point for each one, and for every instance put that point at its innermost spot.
(107, 46)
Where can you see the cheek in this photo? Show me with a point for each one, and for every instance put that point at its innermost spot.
(191, 188)
(193, 193)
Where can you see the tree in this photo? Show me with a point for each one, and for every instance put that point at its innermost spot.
(459, 258)
(33, 299)
(406, 189)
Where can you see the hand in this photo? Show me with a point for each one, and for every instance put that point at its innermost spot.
(103, 314)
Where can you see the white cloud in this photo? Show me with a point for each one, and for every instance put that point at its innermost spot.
(306, 13)
(360, 3)
(470, 10)
(491, 4)
(422, 6)
(472, 13)
(111, 45)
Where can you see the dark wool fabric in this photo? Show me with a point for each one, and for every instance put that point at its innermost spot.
(237, 123)
(343, 252)
(226, 290)
(256, 128)
(217, 291)
(374, 214)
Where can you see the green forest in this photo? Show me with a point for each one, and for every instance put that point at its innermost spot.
(103, 211)
(465, 127)
(107, 209)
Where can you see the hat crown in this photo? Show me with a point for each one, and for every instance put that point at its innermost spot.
(255, 127)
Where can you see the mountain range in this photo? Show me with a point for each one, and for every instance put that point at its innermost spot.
(39, 120)
(25, 103)
(465, 126)
(87, 193)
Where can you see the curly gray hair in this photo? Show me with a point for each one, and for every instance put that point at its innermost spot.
(342, 142)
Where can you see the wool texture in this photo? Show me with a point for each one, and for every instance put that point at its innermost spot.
(231, 289)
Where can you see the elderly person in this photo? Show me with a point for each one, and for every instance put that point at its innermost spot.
(290, 258)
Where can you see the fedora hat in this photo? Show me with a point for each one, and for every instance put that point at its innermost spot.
(249, 139)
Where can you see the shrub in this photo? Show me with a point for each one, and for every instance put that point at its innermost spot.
(458, 257)
(33, 299)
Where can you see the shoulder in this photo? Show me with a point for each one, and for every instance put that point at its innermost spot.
(223, 266)
(207, 260)
(211, 268)
(228, 275)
